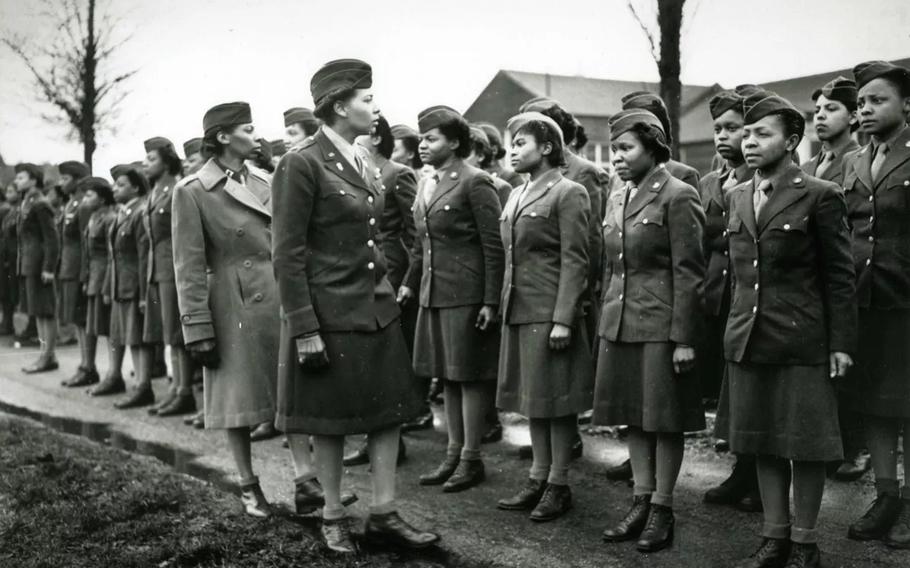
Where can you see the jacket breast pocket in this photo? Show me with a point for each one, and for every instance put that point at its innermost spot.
(653, 217)
(536, 212)
(797, 225)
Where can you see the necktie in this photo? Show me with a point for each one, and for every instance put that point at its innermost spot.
(633, 191)
(730, 181)
(824, 163)
(429, 188)
(760, 197)
(881, 153)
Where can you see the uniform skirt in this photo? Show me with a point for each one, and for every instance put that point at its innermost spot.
(368, 385)
(38, 298)
(539, 382)
(126, 323)
(447, 345)
(788, 411)
(879, 385)
(637, 386)
(98, 317)
(71, 303)
(162, 323)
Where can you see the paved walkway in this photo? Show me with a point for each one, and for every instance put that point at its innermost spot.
(472, 528)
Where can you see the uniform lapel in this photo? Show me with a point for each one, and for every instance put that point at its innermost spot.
(511, 208)
(537, 190)
(647, 192)
(742, 203)
(243, 196)
(787, 189)
(898, 153)
(863, 166)
(336, 163)
(448, 182)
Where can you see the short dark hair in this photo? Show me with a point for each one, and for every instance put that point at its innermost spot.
(325, 110)
(33, 171)
(793, 124)
(565, 120)
(483, 149)
(653, 140)
(210, 144)
(171, 159)
(411, 144)
(581, 137)
(61, 195)
(137, 180)
(458, 129)
(543, 134)
(382, 129)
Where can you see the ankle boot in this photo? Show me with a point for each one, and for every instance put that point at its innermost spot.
(878, 519)
(658, 532)
(899, 535)
(254, 501)
(556, 501)
(442, 473)
(804, 556)
(468, 474)
(773, 553)
(630, 527)
(527, 498)
(737, 486)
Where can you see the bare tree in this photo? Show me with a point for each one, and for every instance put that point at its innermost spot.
(666, 54)
(70, 72)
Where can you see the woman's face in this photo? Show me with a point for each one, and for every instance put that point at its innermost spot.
(881, 108)
(526, 154)
(192, 163)
(401, 154)
(728, 135)
(154, 165)
(832, 119)
(241, 142)
(630, 157)
(435, 149)
(361, 111)
(765, 143)
(124, 190)
(91, 200)
(12, 195)
(294, 134)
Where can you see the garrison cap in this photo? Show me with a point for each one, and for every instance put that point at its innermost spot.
(478, 134)
(747, 89)
(724, 101)
(279, 148)
(518, 121)
(226, 114)
(869, 70)
(265, 149)
(121, 170)
(74, 169)
(157, 143)
(298, 114)
(493, 134)
(33, 170)
(433, 117)
(651, 103)
(763, 103)
(403, 131)
(624, 120)
(538, 104)
(340, 75)
(839, 89)
(100, 186)
(192, 146)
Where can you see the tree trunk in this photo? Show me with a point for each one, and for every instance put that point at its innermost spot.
(669, 18)
(87, 128)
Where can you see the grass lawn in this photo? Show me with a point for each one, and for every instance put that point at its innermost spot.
(66, 502)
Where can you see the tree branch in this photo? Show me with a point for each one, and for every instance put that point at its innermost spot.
(654, 53)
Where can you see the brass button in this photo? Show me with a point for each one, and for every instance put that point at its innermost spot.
(724, 272)
(370, 199)
(257, 297)
(247, 263)
(754, 309)
(372, 221)
(756, 286)
(446, 208)
(370, 243)
(371, 266)
(868, 261)
(620, 296)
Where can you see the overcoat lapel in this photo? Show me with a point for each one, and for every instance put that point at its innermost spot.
(243, 196)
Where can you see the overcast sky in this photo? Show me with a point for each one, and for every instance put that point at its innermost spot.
(193, 54)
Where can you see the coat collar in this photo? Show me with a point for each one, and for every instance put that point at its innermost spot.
(336, 163)
(450, 179)
(647, 191)
(898, 153)
(787, 188)
(211, 175)
(536, 190)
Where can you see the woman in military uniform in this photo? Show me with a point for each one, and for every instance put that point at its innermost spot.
(457, 265)
(193, 158)
(497, 148)
(9, 284)
(405, 149)
(481, 157)
(340, 332)
(545, 365)
(876, 186)
(299, 124)
(650, 323)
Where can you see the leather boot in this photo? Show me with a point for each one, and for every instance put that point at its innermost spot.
(556, 502)
(878, 519)
(468, 474)
(804, 556)
(391, 529)
(899, 535)
(140, 396)
(526, 499)
(180, 404)
(773, 553)
(621, 472)
(630, 527)
(110, 385)
(171, 394)
(854, 466)
(337, 536)
(254, 501)
(83, 378)
(308, 496)
(442, 473)
(658, 533)
(742, 480)
(264, 431)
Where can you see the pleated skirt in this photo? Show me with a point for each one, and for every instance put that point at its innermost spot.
(448, 345)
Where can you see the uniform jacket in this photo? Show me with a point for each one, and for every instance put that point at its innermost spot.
(546, 246)
(717, 254)
(457, 258)
(330, 267)
(128, 246)
(396, 226)
(835, 171)
(71, 228)
(879, 216)
(157, 221)
(95, 258)
(39, 246)
(226, 288)
(503, 190)
(793, 281)
(654, 246)
(597, 182)
(684, 173)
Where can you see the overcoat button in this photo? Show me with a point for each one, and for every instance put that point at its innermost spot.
(870, 198)
(756, 286)
(257, 297)
(656, 185)
(755, 262)
(907, 182)
(343, 192)
(247, 263)
(871, 238)
(797, 180)
(724, 272)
